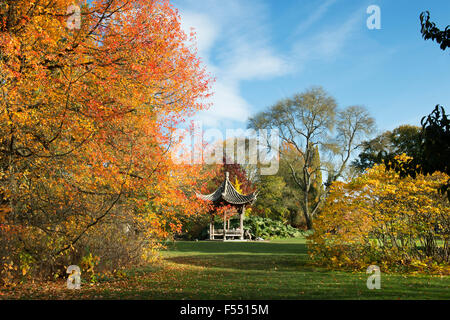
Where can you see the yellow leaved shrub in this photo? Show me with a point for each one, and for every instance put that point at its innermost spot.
(399, 224)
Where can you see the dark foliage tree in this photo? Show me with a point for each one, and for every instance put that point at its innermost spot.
(404, 139)
(434, 149)
(430, 31)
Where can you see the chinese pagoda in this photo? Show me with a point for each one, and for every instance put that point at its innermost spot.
(225, 195)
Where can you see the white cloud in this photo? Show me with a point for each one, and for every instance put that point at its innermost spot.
(326, 44)
(237, 32)
(259, 64)
(227, 104)
(314, 16)
(234, 42)
(205, 29)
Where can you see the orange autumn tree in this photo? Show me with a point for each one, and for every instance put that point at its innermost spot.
(380, 218)
(86, 122)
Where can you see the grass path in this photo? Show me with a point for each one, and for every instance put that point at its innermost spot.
(247, 270)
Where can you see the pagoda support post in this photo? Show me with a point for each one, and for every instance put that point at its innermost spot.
(224, 226)
(211, 228)
(241, 222)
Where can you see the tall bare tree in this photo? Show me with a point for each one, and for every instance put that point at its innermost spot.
(308, 122)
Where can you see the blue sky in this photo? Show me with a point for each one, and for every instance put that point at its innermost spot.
(261, 51)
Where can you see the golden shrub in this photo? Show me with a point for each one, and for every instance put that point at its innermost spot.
(379, 218)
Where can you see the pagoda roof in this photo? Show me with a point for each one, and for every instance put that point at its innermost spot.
(227, 193)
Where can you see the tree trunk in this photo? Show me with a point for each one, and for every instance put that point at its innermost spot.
(309, 224)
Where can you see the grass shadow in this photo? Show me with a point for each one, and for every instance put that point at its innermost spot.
(239, 247)
(261, 262)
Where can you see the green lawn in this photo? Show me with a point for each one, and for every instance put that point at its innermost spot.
(281, 270)
(253, 270)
